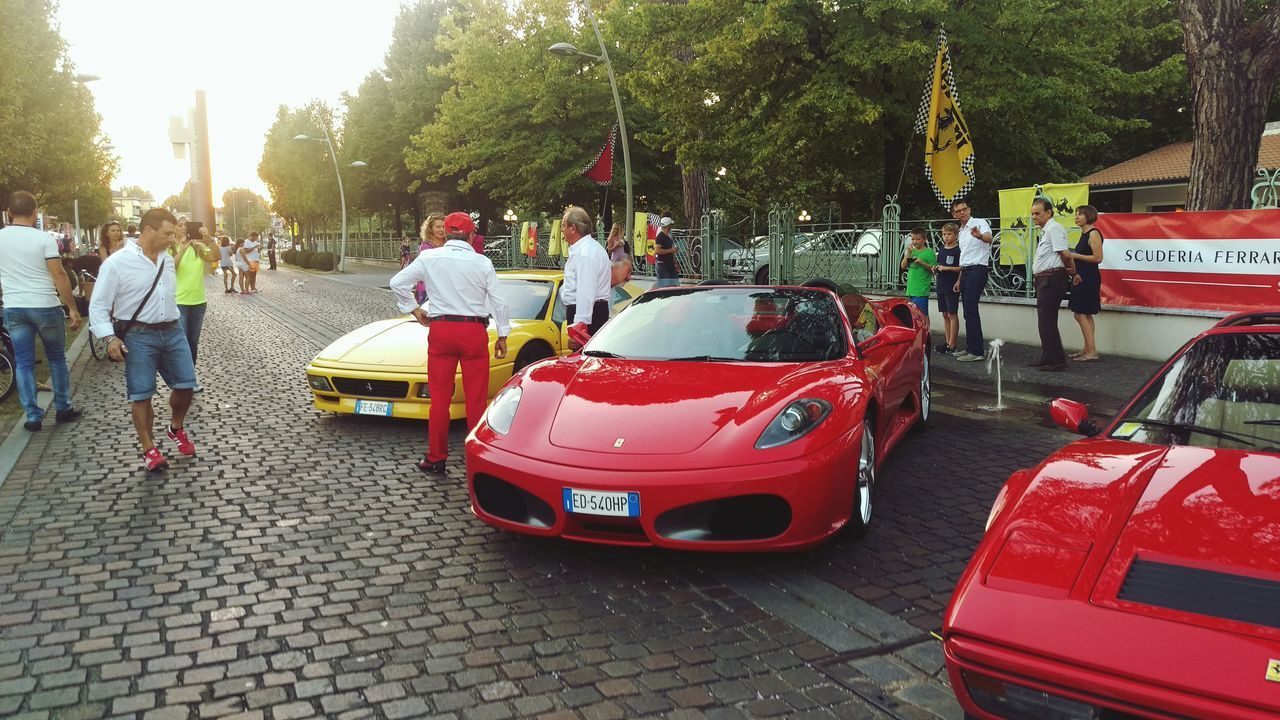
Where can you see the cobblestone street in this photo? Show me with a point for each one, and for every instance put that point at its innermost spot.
(300, 566)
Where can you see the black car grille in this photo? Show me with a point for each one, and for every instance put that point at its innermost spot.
(1204, 592)
(371, 388)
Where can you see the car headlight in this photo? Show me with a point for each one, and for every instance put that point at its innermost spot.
(319, 382)
(794, 422)
(502, 411)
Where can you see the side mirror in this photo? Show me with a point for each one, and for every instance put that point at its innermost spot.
(1073, 416)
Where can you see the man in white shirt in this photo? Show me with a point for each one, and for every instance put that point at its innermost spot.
(251, 257)
(975, 263)
(138, 283)
(463, 290)
(35, 289)
(588, 275)
(1053, 271)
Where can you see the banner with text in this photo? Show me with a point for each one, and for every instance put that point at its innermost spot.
(1220, 260)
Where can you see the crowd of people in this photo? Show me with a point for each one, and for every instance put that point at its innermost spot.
(957, 272)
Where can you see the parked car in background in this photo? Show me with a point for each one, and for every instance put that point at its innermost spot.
(1136, 573)
(846, 256)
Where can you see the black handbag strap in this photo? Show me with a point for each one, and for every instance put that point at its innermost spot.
(129, 325)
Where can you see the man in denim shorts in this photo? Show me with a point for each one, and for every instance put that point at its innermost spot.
(155, 341)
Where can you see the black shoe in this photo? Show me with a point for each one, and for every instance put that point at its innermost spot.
(434, 468)
(944, 349)
(33, 425)
(1052, 368)
(69, 415)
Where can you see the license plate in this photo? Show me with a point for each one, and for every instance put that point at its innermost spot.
(373, 407)
(593, 502)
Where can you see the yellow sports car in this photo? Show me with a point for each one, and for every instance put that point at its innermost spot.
(381, 368)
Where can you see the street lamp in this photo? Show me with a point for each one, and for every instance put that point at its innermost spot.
(342, 194)
(568, 50)
(804, 216)
(509, 216)
(81, 78)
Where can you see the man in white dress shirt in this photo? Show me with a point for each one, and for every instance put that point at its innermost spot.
(1053, 269)
(588, 274)
(463, 290)
(975, 261)
(139, 278)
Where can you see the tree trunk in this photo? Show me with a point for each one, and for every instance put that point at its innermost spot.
(1232, 65)
(397, 226)
(697, 193)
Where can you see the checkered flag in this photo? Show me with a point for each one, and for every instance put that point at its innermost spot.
(948, 147)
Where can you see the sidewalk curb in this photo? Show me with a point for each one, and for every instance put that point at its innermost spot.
(16, 441)
(1098, 404)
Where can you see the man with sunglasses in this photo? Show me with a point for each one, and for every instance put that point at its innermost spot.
(975, 263)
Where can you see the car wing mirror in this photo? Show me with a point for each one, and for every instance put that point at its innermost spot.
(1073, 416)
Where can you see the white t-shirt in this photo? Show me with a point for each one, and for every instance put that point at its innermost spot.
(972, 250)
(1053, 240)
(251, 250)
(24, 269)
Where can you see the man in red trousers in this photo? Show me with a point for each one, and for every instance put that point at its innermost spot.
(462, 289)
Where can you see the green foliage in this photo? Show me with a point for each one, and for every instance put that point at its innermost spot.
(323, 261)
(138, 192)
(51, 143)
(306, 258)
(289, 256)
(299, 174)
(244, 211)
(180, 203)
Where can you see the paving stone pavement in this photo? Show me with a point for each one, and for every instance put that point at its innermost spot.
(300, 567)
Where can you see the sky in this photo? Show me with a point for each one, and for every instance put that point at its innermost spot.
(249, 56)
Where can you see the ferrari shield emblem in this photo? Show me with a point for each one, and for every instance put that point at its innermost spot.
(1273, 670)
(618, 443)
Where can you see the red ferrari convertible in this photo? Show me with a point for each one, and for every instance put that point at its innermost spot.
(1136, 574)
(723, 418)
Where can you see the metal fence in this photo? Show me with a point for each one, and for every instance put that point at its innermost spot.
(865, 255)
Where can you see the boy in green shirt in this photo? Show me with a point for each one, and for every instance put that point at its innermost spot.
(919, 261)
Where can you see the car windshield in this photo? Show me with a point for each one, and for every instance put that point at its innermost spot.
(721, 324)
(1224, 392)
(527, 299)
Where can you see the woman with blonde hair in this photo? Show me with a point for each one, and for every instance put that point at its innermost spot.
(432, 234)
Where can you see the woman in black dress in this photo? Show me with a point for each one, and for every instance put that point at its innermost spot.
(1085, 301)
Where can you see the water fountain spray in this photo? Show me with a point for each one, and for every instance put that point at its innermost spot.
(994, 357)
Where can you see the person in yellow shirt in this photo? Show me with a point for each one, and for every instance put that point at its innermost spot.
(191, 258)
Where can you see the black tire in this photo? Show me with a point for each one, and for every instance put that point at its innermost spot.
(863, 509)
(530, 354)
(8, 375)
(96, 346)
(762, 275)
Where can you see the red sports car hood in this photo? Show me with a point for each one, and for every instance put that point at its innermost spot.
(646, 407)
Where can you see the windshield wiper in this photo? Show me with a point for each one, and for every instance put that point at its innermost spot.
(601, 354)
(1211, 432)
(704, 358)
(1262, 422)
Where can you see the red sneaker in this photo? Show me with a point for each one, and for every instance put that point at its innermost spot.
(185, 446)
(153, 460)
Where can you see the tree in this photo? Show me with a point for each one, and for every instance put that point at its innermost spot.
(299, 175)
(1232, 64)
(52, 142)
(138, 192)
(180, 203)
(244, 211)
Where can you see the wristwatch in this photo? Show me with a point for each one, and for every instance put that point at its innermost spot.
(107, 340)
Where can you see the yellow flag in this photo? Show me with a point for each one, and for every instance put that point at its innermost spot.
(1015, 216)
(557, 246)
(948, 148)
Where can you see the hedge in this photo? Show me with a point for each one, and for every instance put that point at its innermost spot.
(290, 256)
(323, 261)
(305, 259)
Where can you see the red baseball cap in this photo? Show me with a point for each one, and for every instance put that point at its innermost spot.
(458, 223)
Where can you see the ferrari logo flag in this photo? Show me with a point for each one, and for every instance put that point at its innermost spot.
(948, 148)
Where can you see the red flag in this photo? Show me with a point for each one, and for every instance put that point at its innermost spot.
(600, 171)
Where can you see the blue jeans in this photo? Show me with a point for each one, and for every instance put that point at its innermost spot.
(152, 351)
(973, 280)
(24, 325)
(922, 302)
(191, 317)
(667, 282)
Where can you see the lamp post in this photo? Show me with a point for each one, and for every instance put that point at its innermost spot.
(568, 50)
(342, 194)
(81, 78)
